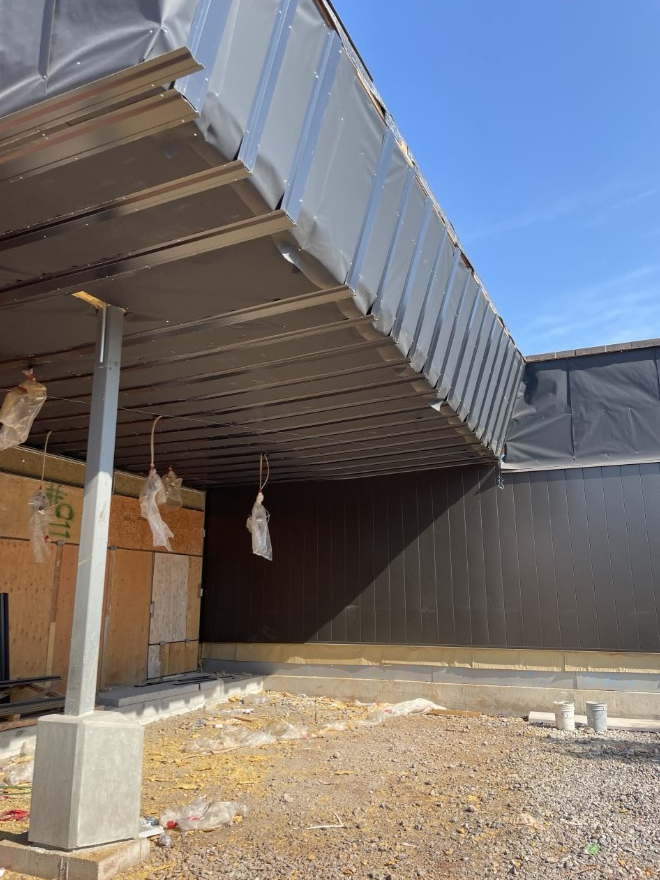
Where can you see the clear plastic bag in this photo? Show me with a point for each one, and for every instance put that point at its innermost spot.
(257, 525)
(172, 487)
(19, 409)
(21, 773)
(202, 814)
(151, 495)
(40, 526)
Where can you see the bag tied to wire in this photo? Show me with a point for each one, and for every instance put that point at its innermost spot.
(19, 409)
(151, 495)
(257, 522)
(40, 526)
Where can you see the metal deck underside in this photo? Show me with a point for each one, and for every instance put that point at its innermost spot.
(240, 328)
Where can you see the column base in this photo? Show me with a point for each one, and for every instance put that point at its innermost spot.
(87, 780)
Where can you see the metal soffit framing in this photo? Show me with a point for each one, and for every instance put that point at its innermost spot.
(245, 340)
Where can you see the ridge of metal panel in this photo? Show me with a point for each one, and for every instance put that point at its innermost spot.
(498, 402)
(206, 33)
(457, 338)
(501, 362)
(163, 110)
(201, 181)
(96, 96)
(398, 229)
(178, 249)
(485, 372)
(499, 431)
(456, 389)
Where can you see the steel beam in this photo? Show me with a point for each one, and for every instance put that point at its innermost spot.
(90, 582)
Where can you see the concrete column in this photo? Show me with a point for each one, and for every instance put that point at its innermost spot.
(88, 765)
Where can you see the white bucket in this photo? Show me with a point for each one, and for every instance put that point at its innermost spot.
(565, 715)
(597, 717)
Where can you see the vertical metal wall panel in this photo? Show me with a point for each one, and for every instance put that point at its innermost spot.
(336, 197)
(285, 112)
(435, 234)
(559, 559)
(476, 363)
(457, 340)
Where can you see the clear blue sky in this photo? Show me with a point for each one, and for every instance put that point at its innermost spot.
(537, 125)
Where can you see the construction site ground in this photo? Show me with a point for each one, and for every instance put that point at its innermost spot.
(434, 796)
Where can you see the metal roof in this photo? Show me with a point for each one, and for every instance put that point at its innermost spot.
(228, 175)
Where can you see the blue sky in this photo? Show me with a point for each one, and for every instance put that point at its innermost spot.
(537, 125)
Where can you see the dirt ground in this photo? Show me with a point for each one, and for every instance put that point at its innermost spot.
(446, 796)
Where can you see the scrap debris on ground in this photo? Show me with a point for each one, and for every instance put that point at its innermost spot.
(318, 788)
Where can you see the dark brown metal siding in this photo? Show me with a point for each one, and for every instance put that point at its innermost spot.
(557, 559)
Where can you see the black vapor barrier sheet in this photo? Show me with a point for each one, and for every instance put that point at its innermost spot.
(592, 409)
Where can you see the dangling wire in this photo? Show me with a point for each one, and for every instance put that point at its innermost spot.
(153, 428)
(263, 482)
(43, 463)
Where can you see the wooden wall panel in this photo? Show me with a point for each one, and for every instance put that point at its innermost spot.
(178, 657)
(170, 598)
(15, 492)
(130, 531)
(64, 593)
(196, 525)
(29, 585)
(127, 630)
(194, 598)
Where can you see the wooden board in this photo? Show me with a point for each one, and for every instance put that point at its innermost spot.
(170, 598)
(153, 662)
(127, 629)
(66, 508)
(130, 531)
(177, 657)
(29, 585)
(196, 528)
(194, 599)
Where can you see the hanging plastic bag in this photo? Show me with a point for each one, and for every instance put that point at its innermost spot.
(172, 487)
(19, 410)
(40, 526)
(257, 524)
(151, 495)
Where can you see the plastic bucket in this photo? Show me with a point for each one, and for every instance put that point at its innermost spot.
(597, 717)
(565, 715)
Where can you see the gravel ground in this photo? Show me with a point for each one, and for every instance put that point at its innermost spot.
(420, 796)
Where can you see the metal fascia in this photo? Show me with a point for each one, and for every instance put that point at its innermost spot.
(412, 269)
(441, 313)
(206, 34)
(389, 260)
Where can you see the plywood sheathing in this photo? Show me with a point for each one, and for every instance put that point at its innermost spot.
(29, 585)
(127, 620)
(15, 511)
(170, 599)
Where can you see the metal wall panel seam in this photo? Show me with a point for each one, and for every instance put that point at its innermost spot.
(441, 313)
(311, 128)
(471, 390)
(412, 269)
(453, 389)
(500, 396)
(205, 37)
(475, 421)
(378, 185)
(450, 342)
(270, 71)
(429, 288)
(496, 392)
(401, 213)
(46, 39)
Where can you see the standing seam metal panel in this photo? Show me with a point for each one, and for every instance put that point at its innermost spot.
(558, 559)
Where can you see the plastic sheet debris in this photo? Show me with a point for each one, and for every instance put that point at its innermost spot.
(257, 525)
(13, 816)
(40, 526)
(172, 488)
(21, 773)
(420, 706)
(152, 495)
(150, 828)
(237, 737)
(164, 840)
(29, 747)
(19, 409)
(202, 814)
(255, 700)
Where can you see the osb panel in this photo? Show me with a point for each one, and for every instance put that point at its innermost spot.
(127, 626)
(129, 531)
(194, 599)
(66, 508)
(177, 657)
(29, 585)
(63, 598)
(196, 526)
(170, 598)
